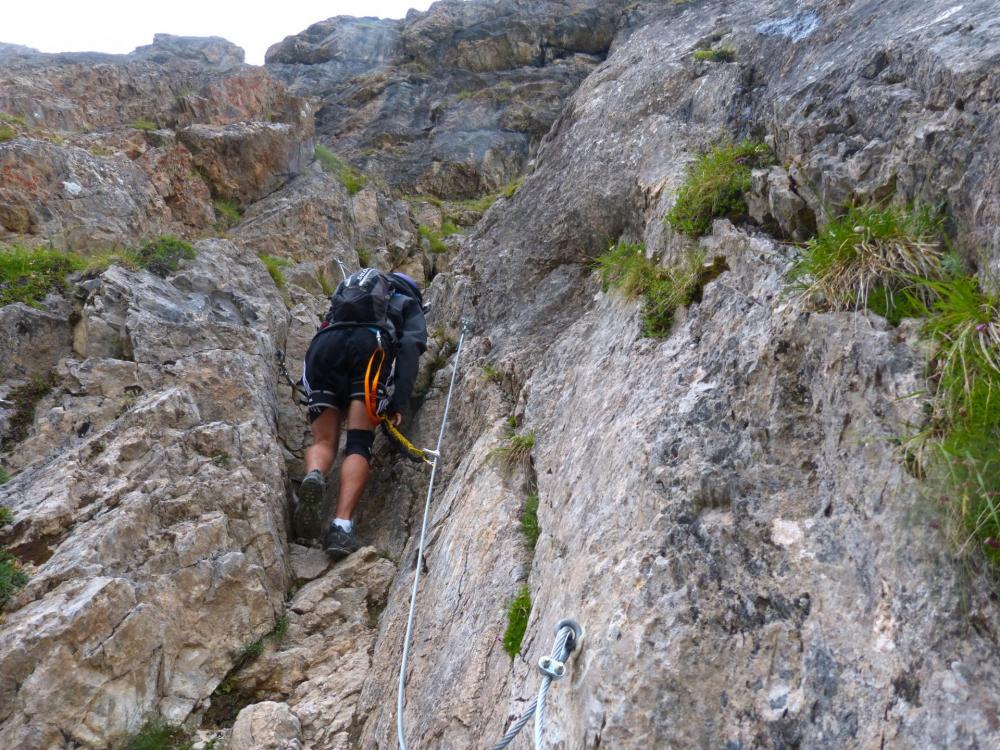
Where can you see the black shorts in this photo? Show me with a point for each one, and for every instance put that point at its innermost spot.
(334, 370)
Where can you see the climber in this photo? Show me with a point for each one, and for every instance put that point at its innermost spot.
(374, 319)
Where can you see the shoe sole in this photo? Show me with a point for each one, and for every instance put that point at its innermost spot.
(306, 521)
(338, 553)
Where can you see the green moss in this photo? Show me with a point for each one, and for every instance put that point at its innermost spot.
(142, 124)
(25, 399)
(275, 266)
(227, 214)
(345, 174)
(873, 256)
(29, 274)
(4, 478)
(157, 734)
(9, 119)
(7, 133)
(714, 187)
(719, 54)
(529, 520)
(663, 289)
(517, 621)
(6, 515)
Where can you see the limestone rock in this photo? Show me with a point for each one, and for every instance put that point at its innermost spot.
(31, 341)
(774, 204)
(247, 161)
(266, 726)
(72, 198)
(321, 663)
(451, 101)
(158, 539)
(212, 53)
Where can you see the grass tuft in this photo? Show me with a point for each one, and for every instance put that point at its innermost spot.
(29, 274)
(227, 214)
(275, 266)
(876, 257)
(714, 187)
(157, 734)
(663, 289)
(164, 254)
(529, 521)
(345, 174)
(4, 478)
(517, 621)
(435, 237)
(7, 133)
(12, 577)
(719, 54)
(364, 257)
(25, 399)
(142, 124)
(515, 451)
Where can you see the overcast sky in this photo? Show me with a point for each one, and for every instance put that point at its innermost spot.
(119, 26)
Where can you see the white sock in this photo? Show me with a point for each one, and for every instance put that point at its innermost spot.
(345, 524)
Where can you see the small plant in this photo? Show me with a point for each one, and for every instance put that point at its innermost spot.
(227, 214)
(511, 187)
(491, 374)
(142, 124)
(515, 451)
(529, 521)
(448, 228)
(876, 257)
(275, 266)
(345, 174)
(719, 54)
(164, 254)
(4, 478)
(25, 399)
(663, 289)
(364, 257)
(517, 621)
(29, 274)
(325, 284)
(157, 734)
(434, 237)
(252, 650)
(714, 187)
(12, 577)
(7, 133)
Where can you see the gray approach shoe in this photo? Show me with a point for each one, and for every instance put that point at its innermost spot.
(307, 522)
(340, 543)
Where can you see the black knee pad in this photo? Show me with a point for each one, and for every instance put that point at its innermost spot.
(359, 442)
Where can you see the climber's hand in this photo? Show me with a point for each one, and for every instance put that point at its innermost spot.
(396, 418)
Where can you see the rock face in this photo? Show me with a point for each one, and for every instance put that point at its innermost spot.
(452, 101)
(724, 510)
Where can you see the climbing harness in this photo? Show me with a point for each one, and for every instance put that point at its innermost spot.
(568, 633)
(568, 638)
(420, 546)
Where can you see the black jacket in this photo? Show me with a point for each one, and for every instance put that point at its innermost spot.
(407, 316)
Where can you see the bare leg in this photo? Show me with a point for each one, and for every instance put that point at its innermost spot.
(326, 437)
(354, 470)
